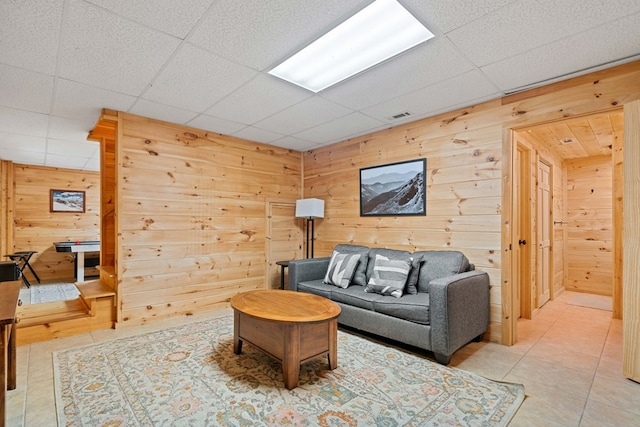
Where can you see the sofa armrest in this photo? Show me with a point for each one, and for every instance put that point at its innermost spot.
(302, 270)
(459, 306)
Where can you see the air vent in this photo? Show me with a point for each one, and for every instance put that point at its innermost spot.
(566, 140)
(400, 115)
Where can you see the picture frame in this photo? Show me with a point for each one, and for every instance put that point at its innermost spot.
(67, 201)
(394, 189)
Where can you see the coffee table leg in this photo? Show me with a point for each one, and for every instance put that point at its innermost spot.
(291, 357)
(237, 342)
(333, 344)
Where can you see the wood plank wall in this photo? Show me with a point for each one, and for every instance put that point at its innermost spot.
(191, 215)
(36, 228)
(465, 166)
(590, 225)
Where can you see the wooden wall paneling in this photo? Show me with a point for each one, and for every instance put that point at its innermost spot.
(284, 237)
(36, 228)
(630, 277)
(617, 158)
(331, 172)
(7, 187)
(590, 225)
(192, 225)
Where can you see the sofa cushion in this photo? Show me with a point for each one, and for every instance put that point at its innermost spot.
(389, 276)
(359, 277)
(341, 269)
(411, 287)
(414, 308)
(316, 287)
(394, 254)
(437, 264)
(355, 296)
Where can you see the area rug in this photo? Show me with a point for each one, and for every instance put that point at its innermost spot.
(600, 302)
(53, 292)
(189, 376)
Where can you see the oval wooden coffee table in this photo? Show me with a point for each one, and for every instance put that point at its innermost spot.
(292, 327)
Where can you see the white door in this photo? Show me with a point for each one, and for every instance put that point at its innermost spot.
(544, 234)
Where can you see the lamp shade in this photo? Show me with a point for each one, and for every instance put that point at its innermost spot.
(309, 208)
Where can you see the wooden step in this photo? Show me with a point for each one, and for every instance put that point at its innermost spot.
(91, 290)
(50, 312)
(94, 289)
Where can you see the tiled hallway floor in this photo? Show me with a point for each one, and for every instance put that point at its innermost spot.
(568, 357)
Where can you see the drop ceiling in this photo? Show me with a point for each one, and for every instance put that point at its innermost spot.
(204, 63)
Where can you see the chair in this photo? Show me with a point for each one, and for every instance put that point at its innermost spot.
(23, 257)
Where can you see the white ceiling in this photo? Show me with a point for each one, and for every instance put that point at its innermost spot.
(204, 63)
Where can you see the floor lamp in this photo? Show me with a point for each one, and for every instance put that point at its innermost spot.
(310, 209)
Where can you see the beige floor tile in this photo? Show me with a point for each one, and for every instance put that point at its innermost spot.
(525, 418)
(617, 392)
(549, 402)
(598, 415)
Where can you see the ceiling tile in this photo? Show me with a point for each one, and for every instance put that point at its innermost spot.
(79, 149)
(65, 161)
(260, 98)
(195, 79)
(170, 16)
(25, 90)
(92, 164)
(437, 60)
(524, 25)
(107, 51)
(70, 130)
(163, 112)
(29, 33)
(255, 134)
(463, 89)
(23, 122)
(450, 14)
(339, 129)
(214, 124)
(260, 33)
(604, 45)
(294, 143)
(22, 142)
(23, 157)
(307, 114)
(82, 102)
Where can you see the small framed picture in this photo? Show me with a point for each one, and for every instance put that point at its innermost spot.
(67, 201)
(394, 189)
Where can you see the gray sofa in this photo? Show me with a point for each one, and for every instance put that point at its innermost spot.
(444, 305)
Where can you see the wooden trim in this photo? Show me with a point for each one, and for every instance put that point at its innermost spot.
(631, 279)
(508, 299)
(617, 158)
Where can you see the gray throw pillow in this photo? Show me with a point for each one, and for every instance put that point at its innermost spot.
(389, 276)
(341, 269)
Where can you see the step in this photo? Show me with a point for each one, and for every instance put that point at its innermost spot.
(91, 290)
(49, 312)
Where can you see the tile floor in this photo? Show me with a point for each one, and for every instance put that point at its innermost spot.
(568, 357)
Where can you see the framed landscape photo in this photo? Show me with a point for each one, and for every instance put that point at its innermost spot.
(67, 201)
(394, 189)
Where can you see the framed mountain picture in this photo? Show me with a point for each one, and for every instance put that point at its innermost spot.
(394, 189)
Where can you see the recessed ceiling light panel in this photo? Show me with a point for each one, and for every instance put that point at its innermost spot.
(378, 32)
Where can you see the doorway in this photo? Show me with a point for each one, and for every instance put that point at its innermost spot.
(563, 177)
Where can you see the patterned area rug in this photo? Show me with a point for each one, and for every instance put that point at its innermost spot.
(53, 292)
(189, 375)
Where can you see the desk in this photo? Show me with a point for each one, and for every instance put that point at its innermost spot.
(23, 258)
(8, 303)
(78, 248)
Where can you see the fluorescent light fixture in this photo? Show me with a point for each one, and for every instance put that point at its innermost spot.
(376, 33)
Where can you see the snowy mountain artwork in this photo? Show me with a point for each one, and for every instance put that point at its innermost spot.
(394, 189)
